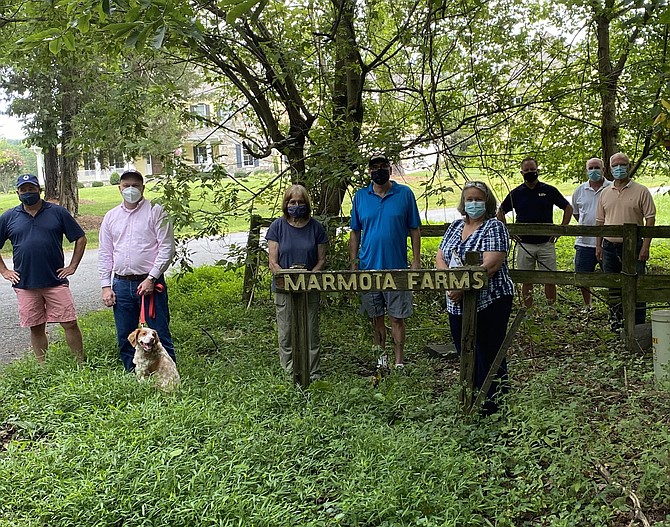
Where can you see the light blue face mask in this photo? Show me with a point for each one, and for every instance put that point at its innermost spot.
(475, 209)
(595, 174)
(620, 172)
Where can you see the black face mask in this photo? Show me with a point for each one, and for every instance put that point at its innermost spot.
(29, 198)
(529, 177)
(381, 175)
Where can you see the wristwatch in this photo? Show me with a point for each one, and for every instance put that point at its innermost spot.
(153, 280)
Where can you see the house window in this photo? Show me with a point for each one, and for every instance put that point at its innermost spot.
(116, 160)
(89, 161)
(201, 109)
(244, 158)
(200, 155)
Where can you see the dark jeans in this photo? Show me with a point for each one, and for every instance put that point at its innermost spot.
(491, 330)
(612, 264)
(127, 317)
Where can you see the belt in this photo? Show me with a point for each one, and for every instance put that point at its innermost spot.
(607, 243)
(131, 277)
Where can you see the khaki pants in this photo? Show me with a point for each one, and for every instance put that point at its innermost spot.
(283, 309)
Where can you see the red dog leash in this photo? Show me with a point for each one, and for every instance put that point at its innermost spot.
(158, 288)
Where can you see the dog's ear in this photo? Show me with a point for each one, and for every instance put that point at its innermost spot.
(132, 338)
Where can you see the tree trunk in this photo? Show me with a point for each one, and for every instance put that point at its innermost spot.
(348, 108)
(69, 192)
(609, 78)
(51, 172)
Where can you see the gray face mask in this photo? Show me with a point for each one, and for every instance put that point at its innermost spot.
(131, 194)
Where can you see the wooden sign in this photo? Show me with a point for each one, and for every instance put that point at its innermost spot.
(463, 278)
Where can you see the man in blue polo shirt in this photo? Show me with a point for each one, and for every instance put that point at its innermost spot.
(39, 277)
(383, 215)
(533, 202)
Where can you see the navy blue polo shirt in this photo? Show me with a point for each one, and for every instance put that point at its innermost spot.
(534, 205)
(37, 243)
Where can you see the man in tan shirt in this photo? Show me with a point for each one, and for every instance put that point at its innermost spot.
(625, 201)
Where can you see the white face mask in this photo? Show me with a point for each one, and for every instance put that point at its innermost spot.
(131, 194)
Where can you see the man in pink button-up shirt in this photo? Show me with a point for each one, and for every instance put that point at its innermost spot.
(136, 248)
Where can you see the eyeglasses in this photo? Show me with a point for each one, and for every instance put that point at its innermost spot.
(477, 184)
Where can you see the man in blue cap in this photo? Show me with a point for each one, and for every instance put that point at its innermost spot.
(35, 229)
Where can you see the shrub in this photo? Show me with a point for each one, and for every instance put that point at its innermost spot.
(97, 184)
(114, 178)
(80, 184)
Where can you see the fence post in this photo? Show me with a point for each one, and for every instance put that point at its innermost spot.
(300, 339)
(251, 261)
(468, 339)
(629, 282)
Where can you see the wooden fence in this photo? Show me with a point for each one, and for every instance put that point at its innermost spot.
(643, 288)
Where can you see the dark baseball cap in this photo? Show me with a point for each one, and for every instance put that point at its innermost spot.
(378, 157)
(27, 178)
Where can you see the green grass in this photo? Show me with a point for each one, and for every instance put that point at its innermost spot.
(238, 444)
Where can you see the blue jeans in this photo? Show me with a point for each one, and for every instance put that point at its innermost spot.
(585, 259)
(491, 331)
(127, 317)
(611, 263)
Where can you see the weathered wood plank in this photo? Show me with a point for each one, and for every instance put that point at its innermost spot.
(466, 278)
(300, 339)
(629, 282)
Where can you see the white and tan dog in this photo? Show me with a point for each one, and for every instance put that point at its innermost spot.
(152, 361)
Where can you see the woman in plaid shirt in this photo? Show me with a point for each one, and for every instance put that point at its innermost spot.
(480, 231)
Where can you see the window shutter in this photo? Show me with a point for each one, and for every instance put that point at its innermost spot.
(238, 153)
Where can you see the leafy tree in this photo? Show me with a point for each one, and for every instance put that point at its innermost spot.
(83, 99)
(10, 166)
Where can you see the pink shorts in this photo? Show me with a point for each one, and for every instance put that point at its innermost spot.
(49, 304)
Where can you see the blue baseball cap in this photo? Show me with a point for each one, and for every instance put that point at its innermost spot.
(27, 178)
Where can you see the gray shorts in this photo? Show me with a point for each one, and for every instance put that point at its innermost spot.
(528, 254)
(398, 304)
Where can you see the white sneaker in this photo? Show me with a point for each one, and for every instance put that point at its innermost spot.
(382, 361)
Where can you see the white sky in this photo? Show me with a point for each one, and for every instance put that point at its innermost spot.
(10, 128)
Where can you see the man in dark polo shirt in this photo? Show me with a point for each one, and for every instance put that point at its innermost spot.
(533, 202)
(39, 277)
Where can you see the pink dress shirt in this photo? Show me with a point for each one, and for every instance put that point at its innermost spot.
(135, 241)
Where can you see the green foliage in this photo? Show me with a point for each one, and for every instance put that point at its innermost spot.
(238, 444)
(97, 184)
(10, 166)
(114, 178)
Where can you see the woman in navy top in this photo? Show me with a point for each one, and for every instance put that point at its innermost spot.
(480, 231)
(297, 240)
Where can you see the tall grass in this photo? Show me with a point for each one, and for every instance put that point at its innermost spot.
(239, 444)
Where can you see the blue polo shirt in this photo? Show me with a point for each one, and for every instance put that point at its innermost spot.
(37, 243)
(534, 205)
(384, 224)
